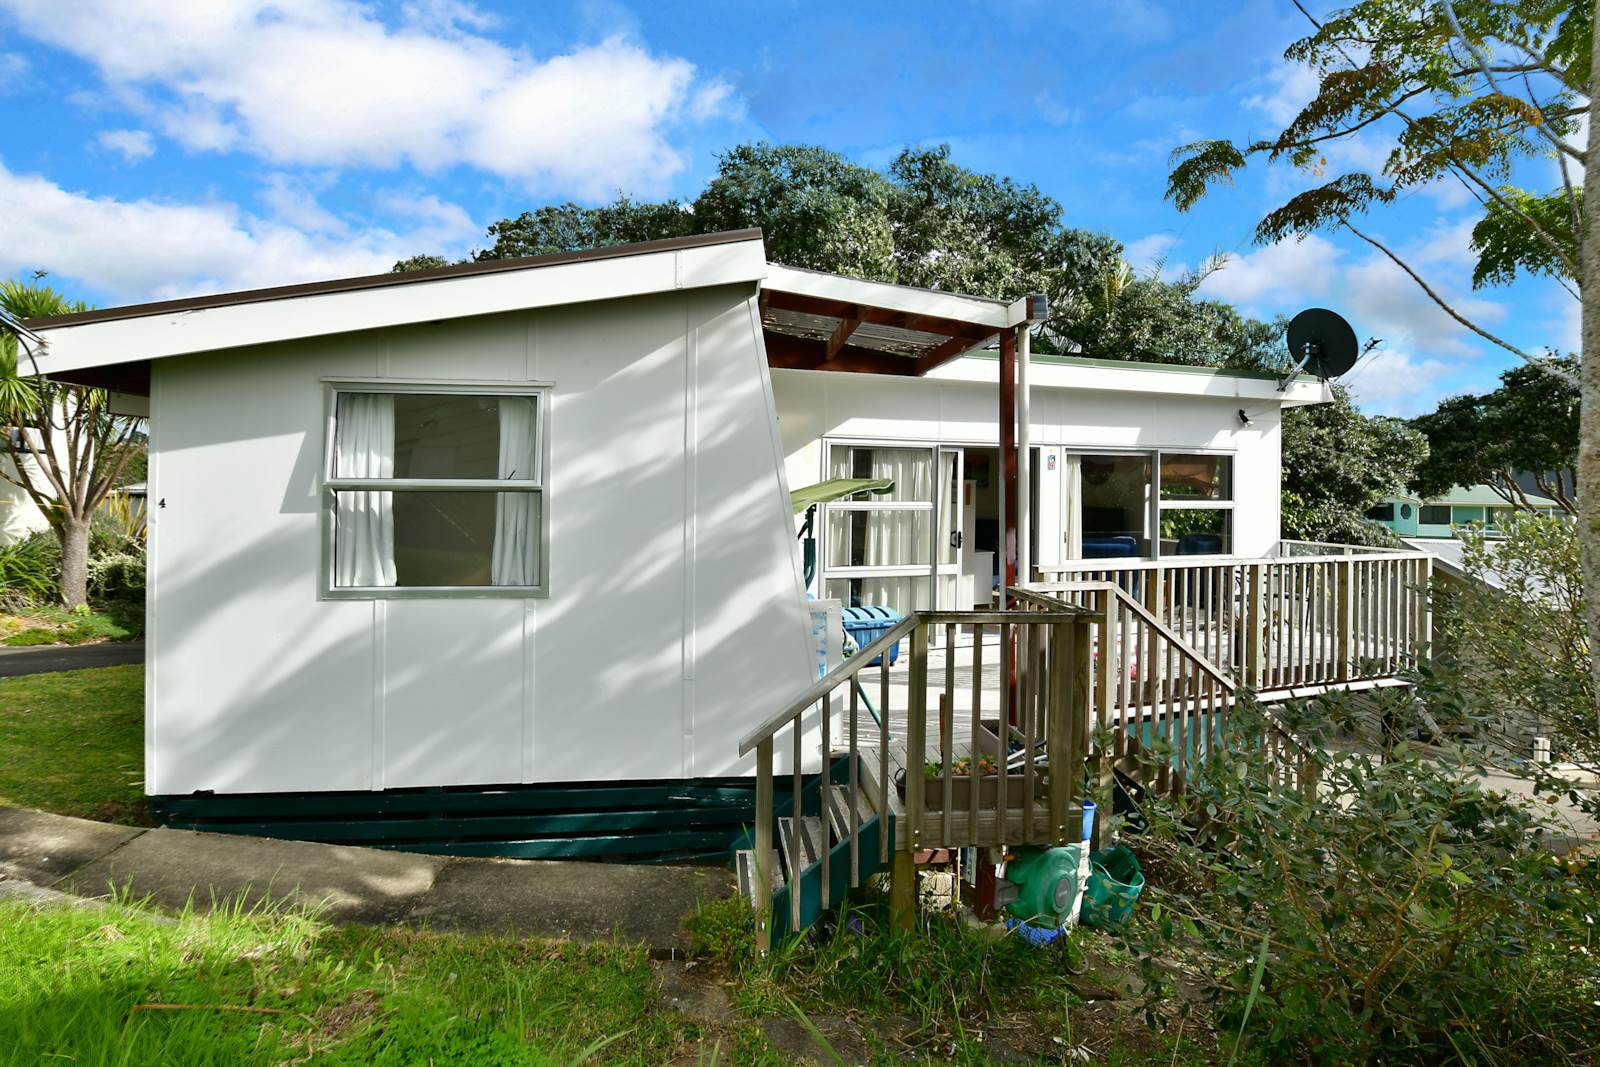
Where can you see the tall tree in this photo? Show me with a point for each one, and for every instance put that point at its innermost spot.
(1474, 93)
(1337, 463)
(71, 450)
(1528, 425)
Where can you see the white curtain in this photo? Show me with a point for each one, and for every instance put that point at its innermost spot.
(1072, 497)
(515, 526)
(364, 521)
(900, 538)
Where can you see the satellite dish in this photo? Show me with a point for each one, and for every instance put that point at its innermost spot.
(1320, 341)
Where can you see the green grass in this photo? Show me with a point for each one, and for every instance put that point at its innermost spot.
(269, 987)
(53, 626)
(73, 743)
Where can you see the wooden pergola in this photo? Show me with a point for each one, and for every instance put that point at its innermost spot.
(824, 322)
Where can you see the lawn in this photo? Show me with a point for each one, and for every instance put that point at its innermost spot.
(123, 985)
(74, 743)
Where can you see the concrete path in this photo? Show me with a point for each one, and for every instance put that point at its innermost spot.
(52, 658)
(543, 898)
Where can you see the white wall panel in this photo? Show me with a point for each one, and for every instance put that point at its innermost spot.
(674, 621)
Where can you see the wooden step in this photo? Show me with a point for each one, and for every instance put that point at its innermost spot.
(745, 868)
(809, 832)
(841, 811)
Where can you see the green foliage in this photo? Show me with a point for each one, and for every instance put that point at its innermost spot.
(1530, 423)
(1398, 76)
(79, 626)
(1337, 463)
(816, 209)
(722, 931)
(944, 974)
(30, 571)
(1505, 242)
(924, 221)
(1515, 636)
(1409, 915)
(422, 262)
(117, 576)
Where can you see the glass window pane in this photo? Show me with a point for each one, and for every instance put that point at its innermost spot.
(1434, 515)
(1196, 477)
(904, 595)
(1115, 494)
(1381, 512)
(1196, 532)
(421, 538)
(437, 436)
(880, 538)
(911, 469)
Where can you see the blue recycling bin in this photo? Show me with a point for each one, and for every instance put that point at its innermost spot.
(867, 623)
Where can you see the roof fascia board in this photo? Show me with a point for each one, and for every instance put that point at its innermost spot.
(930, 302)
(1139, 379)
(94, 344)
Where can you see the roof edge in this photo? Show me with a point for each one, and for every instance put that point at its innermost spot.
(388, 279)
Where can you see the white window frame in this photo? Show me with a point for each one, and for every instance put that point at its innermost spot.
(1227, 505)
(332, 484)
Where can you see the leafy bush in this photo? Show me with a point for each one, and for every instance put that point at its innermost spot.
(1514, 633)
(1405, 913)
(117, 576)
(30, 571)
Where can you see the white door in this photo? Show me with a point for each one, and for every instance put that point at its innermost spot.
(880, 549)
(951, 530)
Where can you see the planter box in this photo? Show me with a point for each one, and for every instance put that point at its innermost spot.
(988, 792)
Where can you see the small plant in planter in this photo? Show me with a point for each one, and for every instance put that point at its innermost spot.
(961, 784)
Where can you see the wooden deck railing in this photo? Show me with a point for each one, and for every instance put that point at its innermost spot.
(1287, 623)
(1156, 690)
(1028, 686)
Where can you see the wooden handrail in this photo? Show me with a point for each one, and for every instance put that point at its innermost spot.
(858, 661)
(1211, 669)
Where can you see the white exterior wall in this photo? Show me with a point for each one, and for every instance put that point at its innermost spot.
(955, 409)
(675, 620)
(19, 515)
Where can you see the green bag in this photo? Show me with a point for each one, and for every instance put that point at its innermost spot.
(1115, 882)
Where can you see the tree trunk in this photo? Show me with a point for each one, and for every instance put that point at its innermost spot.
(1589, 417)
(74, 534)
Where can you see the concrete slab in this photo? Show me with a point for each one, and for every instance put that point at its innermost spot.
(42, 848)
(350, 884)
(556, 899)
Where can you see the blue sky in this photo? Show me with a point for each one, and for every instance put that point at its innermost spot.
(155, 148)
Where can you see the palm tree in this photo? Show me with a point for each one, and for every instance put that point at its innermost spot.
(71, 449)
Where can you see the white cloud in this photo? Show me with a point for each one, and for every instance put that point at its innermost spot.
(1287, 273)
(13, 71)
(1290, 87)
(1054, 111)
(1149, 250)
(328, 83)
(150, 249)
(1395, 381)
(132, 145)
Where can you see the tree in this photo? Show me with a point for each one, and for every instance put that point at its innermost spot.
(72, 450)
(1461, 93)
(1528, 424)
(1337, 463)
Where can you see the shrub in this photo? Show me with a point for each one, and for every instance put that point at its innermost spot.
(1405, 913)
(117, 576)
(30, 572)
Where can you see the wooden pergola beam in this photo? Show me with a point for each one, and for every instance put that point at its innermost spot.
(840, 309)
(841, 335)
(797, 353)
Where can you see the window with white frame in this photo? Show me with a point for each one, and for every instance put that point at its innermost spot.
(1196, 502)
(435, 490)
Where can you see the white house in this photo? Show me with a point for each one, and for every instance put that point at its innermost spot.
(526, 522)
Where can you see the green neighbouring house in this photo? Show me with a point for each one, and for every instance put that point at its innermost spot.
(1411, 516)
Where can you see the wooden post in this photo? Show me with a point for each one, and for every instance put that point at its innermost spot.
(1255, 623)
(903, 890)
(1064, 642)
(916, 738)
(1105, 689)
(1008, 462)
(1344, 621)
(766, 855)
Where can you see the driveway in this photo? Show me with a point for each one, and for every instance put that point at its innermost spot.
(18, 661)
